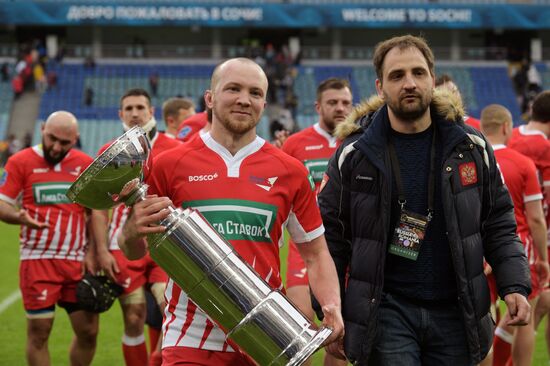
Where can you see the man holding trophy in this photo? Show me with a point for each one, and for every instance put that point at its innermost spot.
(248, 191)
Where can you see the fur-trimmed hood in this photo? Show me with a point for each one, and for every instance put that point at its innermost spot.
(446, 103)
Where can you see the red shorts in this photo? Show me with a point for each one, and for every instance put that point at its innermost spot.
(45, 282)
(134, 274)
(296, 274)
(180, 356)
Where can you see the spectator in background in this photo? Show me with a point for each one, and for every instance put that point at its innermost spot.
(60, 55)
(23, 79)
(520, 81)
(27, 140)
(89, 62)
(52, 79)
(39, 74)
(154, 83)
(5, 72)
(534, 80)
(174, 112)
(14, 145)
(89, 96)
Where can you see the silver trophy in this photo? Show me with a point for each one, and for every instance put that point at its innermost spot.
(259, 320)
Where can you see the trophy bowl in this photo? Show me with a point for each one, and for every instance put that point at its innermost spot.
(261, 321)
(113, 175)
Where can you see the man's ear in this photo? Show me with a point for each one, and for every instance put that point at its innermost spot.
(379, 88)
(208, 99)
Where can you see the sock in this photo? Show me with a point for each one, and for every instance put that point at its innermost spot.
(154, 335)
(134, 350)
(502, 347)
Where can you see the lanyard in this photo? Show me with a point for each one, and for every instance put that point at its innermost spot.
(431, 182)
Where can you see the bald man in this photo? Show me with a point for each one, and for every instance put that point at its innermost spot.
(231, 164)
(53, 236)
(520, 176)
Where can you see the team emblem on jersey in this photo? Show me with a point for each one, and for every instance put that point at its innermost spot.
(76, 171)
(4, 178)
(468, 173)
(203, 177)
(184, 132)
(51, 193)
(238, 219)
(264, 183)
(316, 167)
(314, 147)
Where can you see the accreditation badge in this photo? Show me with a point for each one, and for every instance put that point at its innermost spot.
(409, 234)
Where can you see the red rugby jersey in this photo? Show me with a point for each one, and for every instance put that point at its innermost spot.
(43, 189)
(249, 198)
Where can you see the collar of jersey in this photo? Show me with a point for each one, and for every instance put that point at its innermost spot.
(330, 139)
(499, 147)
(524, 131)
(40, 152)
(233, 162)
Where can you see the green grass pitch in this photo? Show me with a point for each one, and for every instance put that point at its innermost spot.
(13, 323)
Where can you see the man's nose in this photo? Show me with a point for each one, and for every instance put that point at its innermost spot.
(243, 99)
(57, 147)
(410, 82)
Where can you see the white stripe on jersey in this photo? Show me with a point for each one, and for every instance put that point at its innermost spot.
(56, 233)
(80, 241)
(185, 328)
(39, 243)
(297, 231)
(120, 215)
(66, 246)
(9, 200)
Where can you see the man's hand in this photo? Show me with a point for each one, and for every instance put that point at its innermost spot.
(90, 262)
(143, 220)
(543, 272)
(107, 263)
(333, 320)
(518, 309)
(27, 220)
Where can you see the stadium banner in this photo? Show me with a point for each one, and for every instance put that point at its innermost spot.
(287, 15)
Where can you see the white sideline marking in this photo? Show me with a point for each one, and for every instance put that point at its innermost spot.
(16, 295)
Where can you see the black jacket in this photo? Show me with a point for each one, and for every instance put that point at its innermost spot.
(355, 204)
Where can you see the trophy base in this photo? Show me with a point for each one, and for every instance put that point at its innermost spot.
(309, 349)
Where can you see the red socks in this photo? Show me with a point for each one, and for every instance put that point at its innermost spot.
(134, 350)
(502, 347)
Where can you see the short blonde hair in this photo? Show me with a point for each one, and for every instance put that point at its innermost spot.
(493, 116)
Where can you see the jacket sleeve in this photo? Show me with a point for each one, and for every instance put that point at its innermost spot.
(334, 202)
(502, 247)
